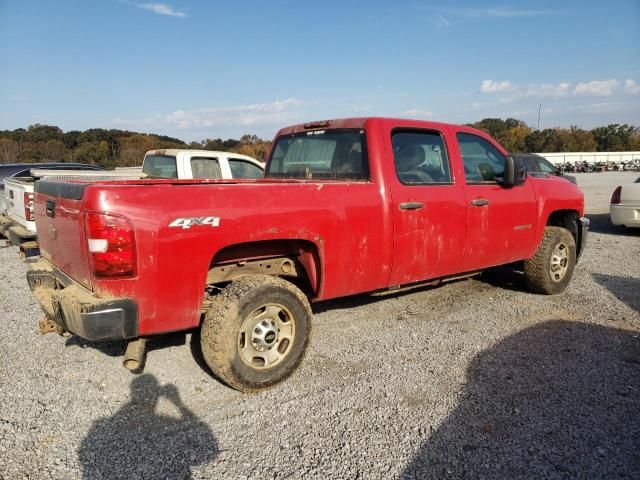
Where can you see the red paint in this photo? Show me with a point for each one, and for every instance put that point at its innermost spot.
(351, 237)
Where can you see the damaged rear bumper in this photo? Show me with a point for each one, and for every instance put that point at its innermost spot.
(77, 310)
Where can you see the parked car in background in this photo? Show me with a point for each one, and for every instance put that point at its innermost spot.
(535, 164)
(22, 169)
(17, 220)
(206, 164)
(625, 205)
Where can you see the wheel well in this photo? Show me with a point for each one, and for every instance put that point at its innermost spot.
(569, 219)
(270, 257)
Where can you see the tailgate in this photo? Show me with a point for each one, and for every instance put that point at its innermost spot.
(14, 200)
(60, 225)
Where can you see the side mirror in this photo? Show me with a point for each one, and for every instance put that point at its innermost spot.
(509, 178)
(513, 174)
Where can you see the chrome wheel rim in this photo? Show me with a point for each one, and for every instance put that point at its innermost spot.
(266, 336)
(559, 263)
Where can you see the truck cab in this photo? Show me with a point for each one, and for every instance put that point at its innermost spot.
(189, 164)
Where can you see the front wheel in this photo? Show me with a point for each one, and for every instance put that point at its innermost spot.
(255, 332)
(551, 268)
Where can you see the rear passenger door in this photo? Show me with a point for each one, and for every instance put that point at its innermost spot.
(500, 221)
(429, 209)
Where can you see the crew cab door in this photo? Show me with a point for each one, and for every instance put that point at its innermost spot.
(429, 207)
(501, 221)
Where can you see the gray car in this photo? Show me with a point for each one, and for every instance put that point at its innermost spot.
(535, 164)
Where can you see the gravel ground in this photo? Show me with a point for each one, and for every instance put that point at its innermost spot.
(474, 379)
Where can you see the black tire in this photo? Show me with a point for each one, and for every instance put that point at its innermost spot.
(224, 333)
(539, 271)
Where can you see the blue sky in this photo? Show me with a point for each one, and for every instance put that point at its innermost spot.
(199, 69)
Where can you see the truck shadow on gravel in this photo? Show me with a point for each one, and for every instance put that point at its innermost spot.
(601, 223)
(117, 348)
(558, 400)
(364, 299)
(136, 442)
(624, 289)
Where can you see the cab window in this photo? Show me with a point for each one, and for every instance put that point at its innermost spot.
(337, 154)
(160, 166)
(205, 167)
(546, 166)
(420, 158)
(483, 163)
(244, 169)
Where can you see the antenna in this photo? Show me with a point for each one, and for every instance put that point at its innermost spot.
(539, 110)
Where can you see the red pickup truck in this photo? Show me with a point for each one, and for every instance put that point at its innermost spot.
(347, 206)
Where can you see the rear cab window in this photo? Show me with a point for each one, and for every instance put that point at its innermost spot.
(160, 166)
(338, 154)
(483, 163)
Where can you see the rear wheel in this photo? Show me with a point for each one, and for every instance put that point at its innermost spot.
(255, 332)
(551, 268)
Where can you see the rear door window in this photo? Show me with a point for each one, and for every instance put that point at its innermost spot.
(420, 158)
(205, 167)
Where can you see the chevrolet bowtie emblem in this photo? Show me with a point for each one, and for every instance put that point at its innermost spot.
(53, 233)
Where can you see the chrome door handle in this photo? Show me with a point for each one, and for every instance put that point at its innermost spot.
(411, 206)
(479, 202)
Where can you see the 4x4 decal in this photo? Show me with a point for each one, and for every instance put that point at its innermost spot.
(189, 222)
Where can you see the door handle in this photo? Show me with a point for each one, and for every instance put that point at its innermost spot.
(411, 205)
(479, 202)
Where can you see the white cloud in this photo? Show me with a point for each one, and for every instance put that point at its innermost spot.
(597, 88)
(272, 113)
(417, 113)
(536, 91)
(630, 86)
(592, 106)
(159, 8)
(489, 86)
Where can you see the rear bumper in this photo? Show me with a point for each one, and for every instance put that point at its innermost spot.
(627, 215)
(18, 234)
(584, 232)
(77, 310)
(14, 231)
(5, 224)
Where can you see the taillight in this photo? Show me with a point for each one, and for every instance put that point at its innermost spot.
(615, 198)
(111, 245)
(28, 207)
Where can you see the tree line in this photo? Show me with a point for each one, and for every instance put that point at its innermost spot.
(123, 148)
(108, 148)
(517, 137)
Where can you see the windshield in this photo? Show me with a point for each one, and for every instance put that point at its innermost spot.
(320, 154)
(161, 166)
